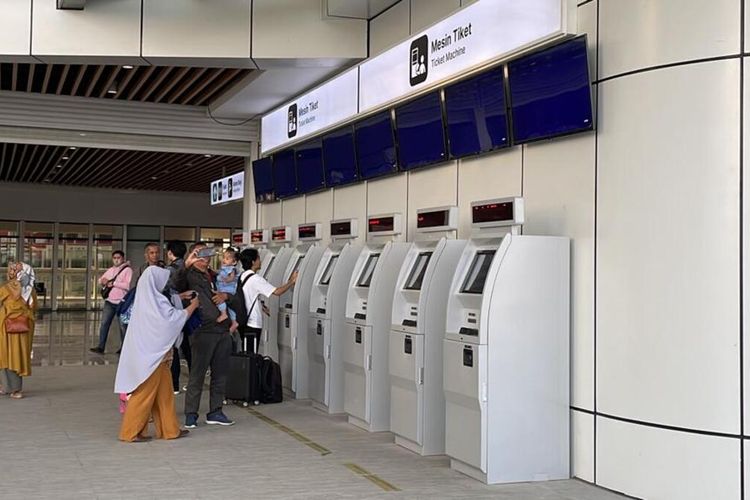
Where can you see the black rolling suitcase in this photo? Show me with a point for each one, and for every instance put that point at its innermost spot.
(244, 378)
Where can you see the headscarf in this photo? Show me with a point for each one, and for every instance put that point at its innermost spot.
(155, 327)
(27, 278)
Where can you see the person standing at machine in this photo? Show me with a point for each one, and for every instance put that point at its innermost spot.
(254, 286)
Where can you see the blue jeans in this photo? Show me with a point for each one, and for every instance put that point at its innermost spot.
(109, 311)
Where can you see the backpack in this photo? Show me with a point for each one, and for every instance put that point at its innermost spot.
(125, 307)
(237, 303)
(270, 381)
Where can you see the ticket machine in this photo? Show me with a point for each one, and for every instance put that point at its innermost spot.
(327, 325)
(294, 307)
(281, 236)
(368, 321)
(259, 239)
(417, 332)
(506, 348)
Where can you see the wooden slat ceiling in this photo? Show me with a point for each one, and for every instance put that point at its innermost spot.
(162, 84)
(113, 168)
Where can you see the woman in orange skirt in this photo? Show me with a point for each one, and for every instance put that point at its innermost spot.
(144, 367)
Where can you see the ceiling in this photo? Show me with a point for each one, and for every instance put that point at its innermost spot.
(113, 168)
(157, 84)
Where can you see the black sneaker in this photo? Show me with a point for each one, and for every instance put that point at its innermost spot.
(191, 421)
(97, 350)
(218, 418)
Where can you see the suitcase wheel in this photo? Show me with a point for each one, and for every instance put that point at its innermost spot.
(245, 404)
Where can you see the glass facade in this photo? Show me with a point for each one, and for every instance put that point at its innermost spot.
(69, 258)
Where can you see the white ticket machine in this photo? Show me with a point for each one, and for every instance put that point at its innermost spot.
(417, 332)
(259, 239)
(327, 324)
(281, 236)
(368, 321)
(505, 359)
(294, 307)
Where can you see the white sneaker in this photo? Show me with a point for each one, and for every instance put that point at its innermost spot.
(175, 392)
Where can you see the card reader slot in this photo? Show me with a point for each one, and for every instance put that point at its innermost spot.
(321, 310)
(409, 322)
(360, 316)
(469, 331)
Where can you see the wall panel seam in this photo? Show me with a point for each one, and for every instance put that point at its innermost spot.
(648, 69)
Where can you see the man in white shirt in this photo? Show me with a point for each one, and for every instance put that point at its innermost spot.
(254, 287)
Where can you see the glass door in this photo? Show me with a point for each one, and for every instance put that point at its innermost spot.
(38, 247)
(106, 240)
(8, 245)
(72, 263)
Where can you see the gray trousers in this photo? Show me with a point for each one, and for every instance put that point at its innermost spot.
(10, 381)
(208, 350)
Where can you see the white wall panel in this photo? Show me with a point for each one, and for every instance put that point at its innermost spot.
(195, 28)
(495, 175)
(388, 195)
(319, 208)
(668, 247)
(113, 206)
(427, 12)
(351, 203)
(587, 25)
(433, 187)
(103, 28)
(15, 27)
(389, 28)
(582, 445)
(558, 192)
(746, 249)
(641, 33)
(270, 215)
(296, 29)
(293, 213)
(659, 464)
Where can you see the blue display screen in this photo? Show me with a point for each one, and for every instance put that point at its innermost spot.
(310, 173)
(550, 93)
(263, 179)
(338, 157)
(476, 115)
(284, 174)
(420, 133)
(376, 147)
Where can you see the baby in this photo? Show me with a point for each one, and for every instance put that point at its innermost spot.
(226, 281)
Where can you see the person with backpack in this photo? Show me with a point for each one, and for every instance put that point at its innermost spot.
(115, 283)
(253, 286)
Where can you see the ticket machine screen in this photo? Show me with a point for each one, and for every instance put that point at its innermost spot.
(326, 278)
(366, 276)
(477, 275)
(297, 264)
(416, 276)
(268, 268)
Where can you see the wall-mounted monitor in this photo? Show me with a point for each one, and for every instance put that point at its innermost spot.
(376, 146)
(284, 174)
(420, 132)
(310, 175)
(550, 92)
(343, 229)
(263, 179)
(339, 159)
(476, 115)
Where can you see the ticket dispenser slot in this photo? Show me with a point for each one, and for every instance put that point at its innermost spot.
(319, 328)
(286, 321)
(468, 356)
(407, 345)
(358, 336)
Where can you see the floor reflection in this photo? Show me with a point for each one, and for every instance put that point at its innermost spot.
(64, 339)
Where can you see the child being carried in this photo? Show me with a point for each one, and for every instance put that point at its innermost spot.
(226, 282)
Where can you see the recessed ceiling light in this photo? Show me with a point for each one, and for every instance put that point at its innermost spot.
(154, 178)
(128, 66)
(66, 157)
(59, 166)
(47, 180)
(72, 148)
(207, 156)
(82, 134)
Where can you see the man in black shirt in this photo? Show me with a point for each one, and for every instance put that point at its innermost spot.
(211, 345)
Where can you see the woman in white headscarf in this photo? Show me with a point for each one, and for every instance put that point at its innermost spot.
(144, 368)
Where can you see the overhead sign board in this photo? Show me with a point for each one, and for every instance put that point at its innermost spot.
(332, 102)
(228, 189)
(483, 31)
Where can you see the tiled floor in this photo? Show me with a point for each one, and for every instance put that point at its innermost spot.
(60, 442)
